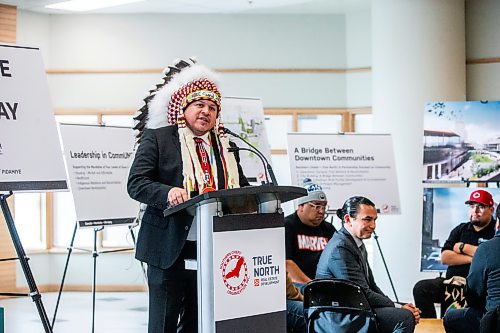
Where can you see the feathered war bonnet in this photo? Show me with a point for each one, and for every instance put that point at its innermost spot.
(184, 83)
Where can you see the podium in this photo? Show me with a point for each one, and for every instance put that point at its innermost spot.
(241, 258)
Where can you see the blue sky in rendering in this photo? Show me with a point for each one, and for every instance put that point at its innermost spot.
(476, 122)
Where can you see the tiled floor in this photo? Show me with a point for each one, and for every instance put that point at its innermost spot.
(124, 312)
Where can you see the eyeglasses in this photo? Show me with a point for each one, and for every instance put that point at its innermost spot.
(477, 206)
(318, 208)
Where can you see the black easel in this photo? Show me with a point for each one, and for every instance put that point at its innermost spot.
(95, 254)
(23, 260)
(375, 236)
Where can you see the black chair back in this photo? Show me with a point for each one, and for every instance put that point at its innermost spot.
(334, 305)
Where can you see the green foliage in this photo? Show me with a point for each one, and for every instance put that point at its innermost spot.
(480, 158)
(485, 171)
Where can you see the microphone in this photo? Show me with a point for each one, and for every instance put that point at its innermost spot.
(257, 152)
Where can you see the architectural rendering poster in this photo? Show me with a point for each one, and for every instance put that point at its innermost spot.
(461, 142)
(346, 165)
(30, 152)
(444, 209)
(245, 117)
(98, 161)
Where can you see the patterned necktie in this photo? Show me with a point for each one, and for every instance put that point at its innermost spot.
(208, 177)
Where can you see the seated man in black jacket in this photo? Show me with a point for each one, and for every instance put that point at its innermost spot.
(482, 291)
(458, 251)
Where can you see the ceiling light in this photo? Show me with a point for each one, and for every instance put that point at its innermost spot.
(85, 5)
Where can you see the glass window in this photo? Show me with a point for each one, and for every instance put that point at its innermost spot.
(77, 119)
(118, 236)
(281, 167)
(320, 123)
(122, 121)
(277, 127)
(363, 123)
(29, 217)
(64, 223)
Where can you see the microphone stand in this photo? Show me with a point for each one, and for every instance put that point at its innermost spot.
(235, 149)
(375, 236)
(257, 152)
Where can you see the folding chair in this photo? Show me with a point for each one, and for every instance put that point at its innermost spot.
(340, 306)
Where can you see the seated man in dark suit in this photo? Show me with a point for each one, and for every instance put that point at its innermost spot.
(345, 258)
(482, 291)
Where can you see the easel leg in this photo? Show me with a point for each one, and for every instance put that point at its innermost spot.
(70, 249)
(95, 254)
(23, 260)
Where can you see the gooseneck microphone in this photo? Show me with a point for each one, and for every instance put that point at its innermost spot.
(237, 149)
(265, 162)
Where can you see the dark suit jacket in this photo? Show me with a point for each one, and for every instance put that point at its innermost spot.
(483, 282)
(341, 259)
(156, 169)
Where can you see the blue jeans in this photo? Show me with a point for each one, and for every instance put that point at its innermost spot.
(300, 286)
(462, 320)
(295, 321)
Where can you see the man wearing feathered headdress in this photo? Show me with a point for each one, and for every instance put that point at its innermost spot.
(183, 152)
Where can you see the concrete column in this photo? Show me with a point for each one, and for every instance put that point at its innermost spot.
(418, 56)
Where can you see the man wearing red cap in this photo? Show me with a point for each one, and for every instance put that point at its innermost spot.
(482, 292)
(458, 251)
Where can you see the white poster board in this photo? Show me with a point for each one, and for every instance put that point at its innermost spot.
(30, 153)
(98, 161)
(245, 117)
(258, 286)
(347, 165)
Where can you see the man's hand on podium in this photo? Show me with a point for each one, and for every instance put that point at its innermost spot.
(176, 196)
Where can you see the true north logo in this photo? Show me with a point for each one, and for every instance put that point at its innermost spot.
(234, 271)
(265, 271)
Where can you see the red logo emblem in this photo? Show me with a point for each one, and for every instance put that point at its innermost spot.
(234, 272)
(385, 208)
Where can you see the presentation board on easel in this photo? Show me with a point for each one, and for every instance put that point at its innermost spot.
(30, 153)
(347, 165)
(98, 160)
(245, 117)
